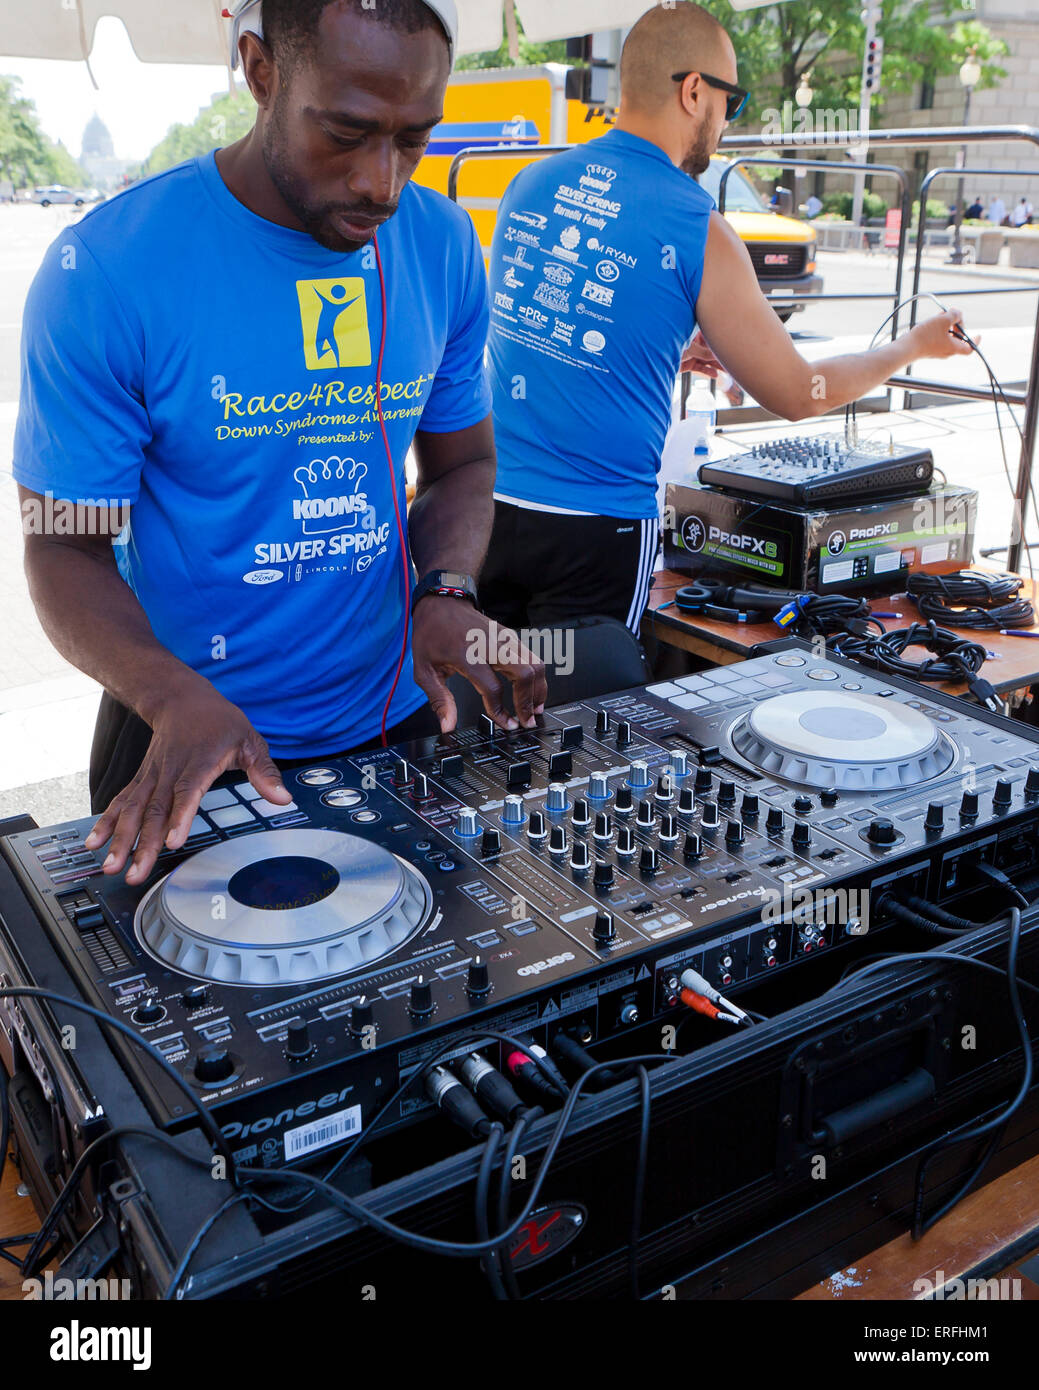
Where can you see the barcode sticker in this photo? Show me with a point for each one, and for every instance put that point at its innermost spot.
(330, 1129)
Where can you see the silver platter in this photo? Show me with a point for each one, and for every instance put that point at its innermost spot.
(841, 739)
(286, 907)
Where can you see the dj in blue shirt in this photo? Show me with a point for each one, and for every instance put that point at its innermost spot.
(605, 259)
(200, 360)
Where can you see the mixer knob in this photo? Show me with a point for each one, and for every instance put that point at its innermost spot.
(1032, 782)
(421, 789)
(645, 816)
(402, 774)
(599, 787)
(477, 979)
(149, 1011)
(639, 777)
(666, 785)
(214, 1064)
(297, 1040)
(560, 765)
(734, 833)
(572, 736)
(726, 793)
(626, 840)
(490, 844)
(514, 812)
(749, 806)
(802, 836)
(420, 998)
(624, 801)
(704, 781)
(881, 832)
(603, 826)
(969, 806)
(452, 766)
(536, 826)
(648, 860)
(465, 823)
(604, 931)
(556, 799)
(518, 775)
(579, 860)
(709, 815)
(196, 997)
(802, 805)
(680, 762)
(581, 817)
(935, 818)
(1002, 795)
(488, 728)
(361, 1016)
(775, 821)
(693, 846)
(557, 840)
(604, 875)
(668, 827)
(602, 723)
(623, 734)
(686, 802)
(830, 797)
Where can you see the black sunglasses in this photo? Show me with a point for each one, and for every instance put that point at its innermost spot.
(734, 102)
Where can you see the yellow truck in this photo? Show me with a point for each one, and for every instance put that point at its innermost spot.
(526, 107)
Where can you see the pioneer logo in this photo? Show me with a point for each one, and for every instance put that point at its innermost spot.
(550, 964)
(236, 1130)
(735, 540)
(865, 533)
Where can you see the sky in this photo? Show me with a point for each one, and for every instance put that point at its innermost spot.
(138, 102)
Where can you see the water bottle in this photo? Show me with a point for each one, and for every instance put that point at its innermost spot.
(701, 416)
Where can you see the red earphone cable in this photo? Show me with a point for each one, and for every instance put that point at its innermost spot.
(405, 564)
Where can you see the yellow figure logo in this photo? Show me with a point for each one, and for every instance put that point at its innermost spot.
(335, 323)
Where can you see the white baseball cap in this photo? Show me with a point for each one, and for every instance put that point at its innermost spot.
(245, 15)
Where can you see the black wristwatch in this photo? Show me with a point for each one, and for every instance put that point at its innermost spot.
(446, 583)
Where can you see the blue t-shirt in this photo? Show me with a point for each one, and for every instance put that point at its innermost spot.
(595, 272)
(217, 371)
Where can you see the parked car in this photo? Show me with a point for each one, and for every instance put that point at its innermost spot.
(58, 193)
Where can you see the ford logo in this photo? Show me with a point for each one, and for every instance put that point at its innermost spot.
(263, 576)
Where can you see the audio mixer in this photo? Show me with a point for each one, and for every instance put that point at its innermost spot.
(295, 963)
(822, 468)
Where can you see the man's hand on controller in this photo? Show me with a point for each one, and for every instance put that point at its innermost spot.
(450, 637)
(196, 736)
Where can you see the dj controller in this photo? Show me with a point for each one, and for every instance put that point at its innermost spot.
(295, 963)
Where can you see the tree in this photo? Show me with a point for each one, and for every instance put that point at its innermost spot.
(515, 50)
(221, 123)
(779, 45)
(27, 157)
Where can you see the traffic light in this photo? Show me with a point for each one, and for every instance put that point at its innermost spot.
(871, 69)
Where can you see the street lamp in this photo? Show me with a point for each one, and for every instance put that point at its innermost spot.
(970, 76)
(804, 94)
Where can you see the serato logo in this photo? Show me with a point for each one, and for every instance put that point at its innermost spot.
(546, 1231)
(835, 545)
(334, 315)
(694, 534)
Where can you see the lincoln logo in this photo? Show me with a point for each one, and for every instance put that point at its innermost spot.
(545, 1232)
(777, 258)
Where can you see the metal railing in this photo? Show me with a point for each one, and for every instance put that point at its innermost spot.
(904, 138)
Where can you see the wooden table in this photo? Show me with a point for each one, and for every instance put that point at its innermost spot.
(1014, 667)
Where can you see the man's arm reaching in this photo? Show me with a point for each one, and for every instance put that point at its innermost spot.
(95, 621)
(746, 336)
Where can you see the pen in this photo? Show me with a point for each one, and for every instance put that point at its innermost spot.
(1016, 632)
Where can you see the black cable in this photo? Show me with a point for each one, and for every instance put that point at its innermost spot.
(483, 1208)
(922, 1224)
(970, 599)
(182, 1265)
(639, 1194)
(955, 658)
(504, 1189)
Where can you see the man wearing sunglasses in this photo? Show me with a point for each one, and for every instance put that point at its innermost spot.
(605, 260)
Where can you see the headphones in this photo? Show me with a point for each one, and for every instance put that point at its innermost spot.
(246, 17)
(729, 604)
